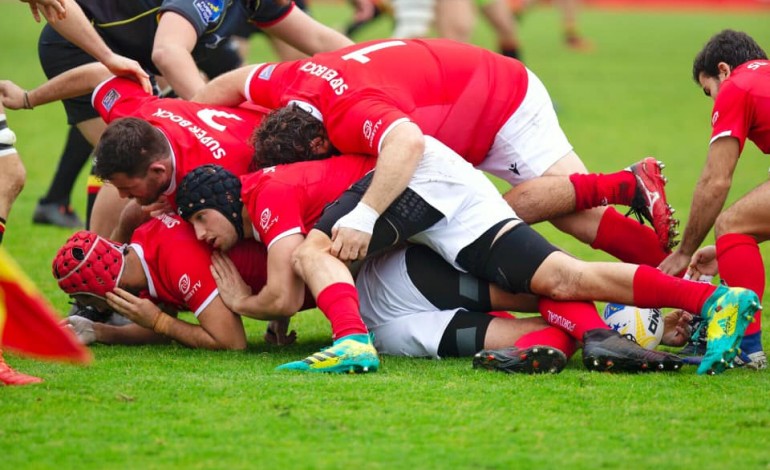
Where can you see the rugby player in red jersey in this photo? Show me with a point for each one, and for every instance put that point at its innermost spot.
(163, 264)
(734, 71)
(382, 97)
(150, 142)
(456, 211)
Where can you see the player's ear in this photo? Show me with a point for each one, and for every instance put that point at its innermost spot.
(724, 71)
(156, 168)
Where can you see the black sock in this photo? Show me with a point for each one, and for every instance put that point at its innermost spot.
(93, 187)
(512, 52)
(76, 153)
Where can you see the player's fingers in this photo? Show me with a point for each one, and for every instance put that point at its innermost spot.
(336, 247)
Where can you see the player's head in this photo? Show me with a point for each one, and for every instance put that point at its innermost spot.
(88, 266)
(721, 54)
(130, 155)
(288, 135)
(209, 197)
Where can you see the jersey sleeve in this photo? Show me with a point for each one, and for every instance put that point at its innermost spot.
(732, 114)
(276, 212)
(361, 128)
(200, 13)
(270, 12)
(186, 273)
(118, 97)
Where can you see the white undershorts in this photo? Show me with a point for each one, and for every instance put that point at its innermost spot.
(403, 321)
(530, 142)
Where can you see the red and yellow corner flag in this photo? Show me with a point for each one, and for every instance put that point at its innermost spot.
(28, 324)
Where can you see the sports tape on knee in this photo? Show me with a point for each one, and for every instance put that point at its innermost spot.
(7, 139)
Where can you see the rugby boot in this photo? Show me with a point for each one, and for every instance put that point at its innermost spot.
(728, 312)
(650, 201)
(9, 376)
(693, 351)
(61, 215)
(353, 354)
(752, 356)
(606, 350)
(531, 360)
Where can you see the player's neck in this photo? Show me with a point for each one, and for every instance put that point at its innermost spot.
(248, 229)
(133, 278)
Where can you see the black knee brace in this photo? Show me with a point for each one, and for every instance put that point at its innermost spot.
(444, 286)
(511, 261)
(465, 334)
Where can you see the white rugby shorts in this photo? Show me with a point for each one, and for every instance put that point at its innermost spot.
(530, 142)
(403, 321)
(470, 203)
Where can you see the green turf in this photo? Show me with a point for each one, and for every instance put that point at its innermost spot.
(170, 407)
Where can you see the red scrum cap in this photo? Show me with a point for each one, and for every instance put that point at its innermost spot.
(88, 264)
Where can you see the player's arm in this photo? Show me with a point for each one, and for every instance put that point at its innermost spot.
(707, 201)
(74, 82)
(219, 328)
(78, 30)
(304, 33)
(131, 217)
(227, 89)
(281, 297)
(128, 335)
(400, 153)
(172, 54)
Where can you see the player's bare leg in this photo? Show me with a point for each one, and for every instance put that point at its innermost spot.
(12, 178)
(105, 215)
(739, 230)
(338, 300)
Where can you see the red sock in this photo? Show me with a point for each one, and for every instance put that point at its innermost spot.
(628, 240)
(654, 289)
(740, 265)
(339, 302)
(549, 336)
(596, 189)
(575, 318)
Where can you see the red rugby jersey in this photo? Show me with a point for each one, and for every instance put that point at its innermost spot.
(458, 93)
(742, 107)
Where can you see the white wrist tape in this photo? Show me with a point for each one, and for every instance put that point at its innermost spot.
(705, 278)
(361, 218)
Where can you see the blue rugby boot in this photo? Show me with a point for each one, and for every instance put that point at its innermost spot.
(352, 354)
(752, 355)
(728, 312)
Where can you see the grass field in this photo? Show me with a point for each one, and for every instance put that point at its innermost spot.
(171, 407)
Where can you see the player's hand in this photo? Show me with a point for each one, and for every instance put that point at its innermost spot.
(52, 9)
(277, 333)
(676, 328)
(349, 244)
(159, 207)
(123, 66)
(143, 312)
(11, 94)
(703, 264)
(82, 327)
(675, 263)
(232, 288)
(364, 10)
(353, 232)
